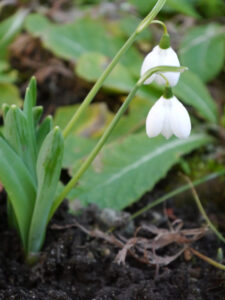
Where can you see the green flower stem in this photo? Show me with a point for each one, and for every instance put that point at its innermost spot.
(162, 24)
(148, 19)
(108, 131)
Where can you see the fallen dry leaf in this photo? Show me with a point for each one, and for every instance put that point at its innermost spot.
(144, 249)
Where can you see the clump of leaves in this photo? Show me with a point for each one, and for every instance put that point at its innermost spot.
(30, 164)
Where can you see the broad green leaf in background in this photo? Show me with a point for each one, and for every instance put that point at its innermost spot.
(37, 24)
(129, 23)
(8, 77)
(70, 41)
(203, 50)
(83, 138)
(9, 94)
(124, 171)
(91, 124)
(211, 8)
(9, 28)
(190, 88)
(181, 6)
(192, 91)
(90, 66)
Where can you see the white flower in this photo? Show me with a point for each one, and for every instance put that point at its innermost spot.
(161, 57)
(168, 116)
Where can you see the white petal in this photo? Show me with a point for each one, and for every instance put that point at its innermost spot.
(168, 57)
(166, 129)
(150, 61)
(155, 119)
(179, 119)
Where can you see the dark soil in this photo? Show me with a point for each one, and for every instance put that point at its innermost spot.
(74, 265)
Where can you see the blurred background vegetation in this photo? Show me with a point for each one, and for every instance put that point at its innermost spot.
(67, 44)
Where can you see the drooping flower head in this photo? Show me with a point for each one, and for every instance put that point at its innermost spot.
(168, 116)
(161, 55)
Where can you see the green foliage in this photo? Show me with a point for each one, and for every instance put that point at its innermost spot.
(9, 29)
(190, 88)
(211, 8)
(70, 41)
(93, 123)
(203, 50)
(180, 6)
(125, 170)
(48, 166)
(9, 94)
(129, 23)
(130, 163)
(192, 91)
(29, 175)
(19, 185)
(91, 65)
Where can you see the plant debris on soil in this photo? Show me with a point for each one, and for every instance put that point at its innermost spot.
(80, 261)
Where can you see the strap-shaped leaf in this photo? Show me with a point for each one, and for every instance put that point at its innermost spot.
(19, 185)
(37, 113)
(45, 127)
(48, 171)
(29, 103)
(5, 109)
(16, 133)
(31, 96)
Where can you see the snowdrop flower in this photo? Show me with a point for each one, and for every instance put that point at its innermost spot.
(168, 116)
(161, 57)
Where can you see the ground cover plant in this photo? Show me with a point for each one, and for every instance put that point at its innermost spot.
(98, 55)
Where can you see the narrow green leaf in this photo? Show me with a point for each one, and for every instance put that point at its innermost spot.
(5, 109)
(203, 50)
(16, 133)
(19, 186)
(43, 130)
(193, 91)
(48, 171)
(37, 113)
(30, 98)
(124, 171)
(29, 103)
